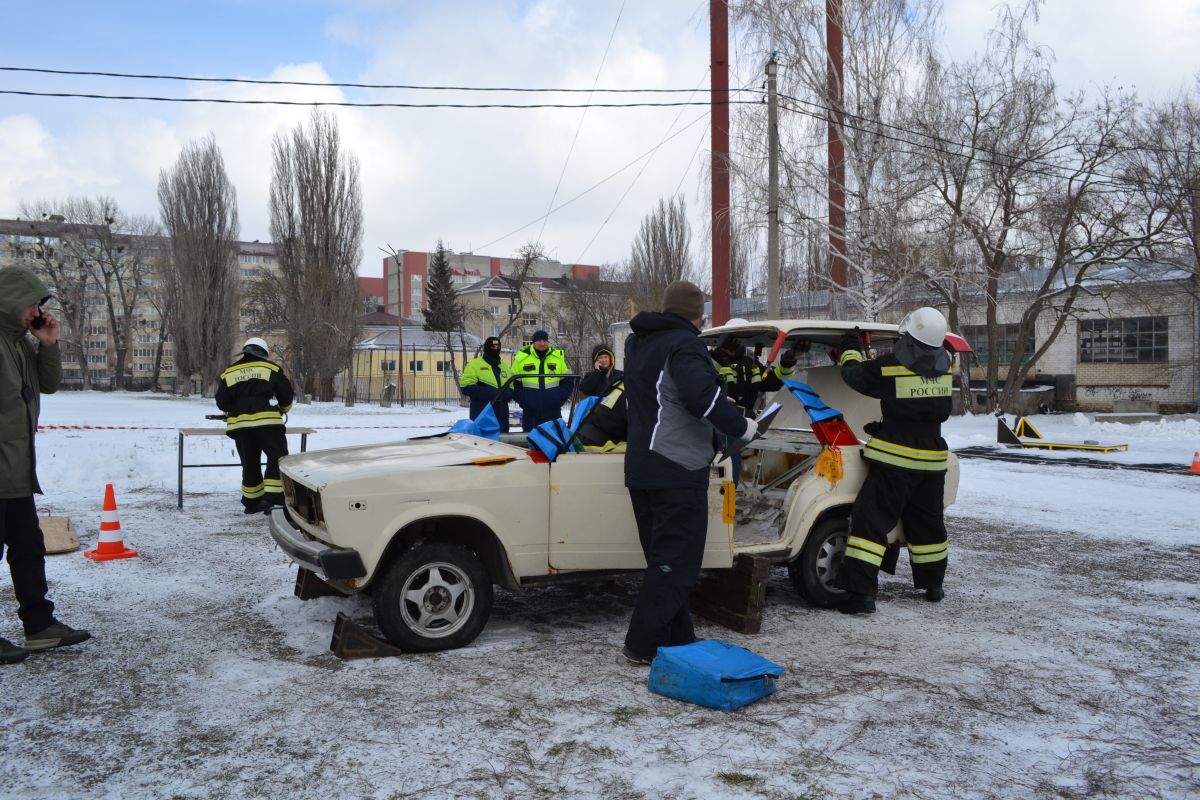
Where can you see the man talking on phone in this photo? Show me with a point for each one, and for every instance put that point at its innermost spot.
(30, 366)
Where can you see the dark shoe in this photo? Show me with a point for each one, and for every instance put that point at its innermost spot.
(57, 635)
(634, 658)
(254, 506)
(270, 502)
(11, 653)
(857, 604)
(934, 594)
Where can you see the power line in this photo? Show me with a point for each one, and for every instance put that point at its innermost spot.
(629, 188)
(351, 104)
(582, 117)
(594, 186)
(331, 84)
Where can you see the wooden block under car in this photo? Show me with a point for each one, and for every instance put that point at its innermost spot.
(734, 597)
(59, 534)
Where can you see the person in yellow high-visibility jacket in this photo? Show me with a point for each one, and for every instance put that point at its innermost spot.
(540, 392)
(483, 382)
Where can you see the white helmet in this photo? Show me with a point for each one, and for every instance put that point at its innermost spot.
(926, 325)
(255, 346)
(737, 321)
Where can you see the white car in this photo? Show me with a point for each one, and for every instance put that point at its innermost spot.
(429, 525)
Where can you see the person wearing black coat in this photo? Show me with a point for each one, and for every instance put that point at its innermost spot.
(255, 423)
(676, 406)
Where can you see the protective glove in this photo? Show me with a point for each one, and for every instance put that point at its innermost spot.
(849, 341)
(788, 359)
(751, 430)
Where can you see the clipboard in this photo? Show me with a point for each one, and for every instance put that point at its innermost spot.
(764, 421)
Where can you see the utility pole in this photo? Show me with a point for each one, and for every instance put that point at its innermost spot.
(837, 150)
(772, 192)
(718, 11)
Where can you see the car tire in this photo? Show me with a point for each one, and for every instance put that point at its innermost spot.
(814, 571)
(433, 597)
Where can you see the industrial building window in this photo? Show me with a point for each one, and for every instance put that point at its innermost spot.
(1006, 342)
(416, 366)
(443, 366)
(1132, 340)
(388, 365)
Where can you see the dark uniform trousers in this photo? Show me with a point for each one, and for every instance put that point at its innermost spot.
(672, 525)
(252, 444)
(890, 495)
(21, 533)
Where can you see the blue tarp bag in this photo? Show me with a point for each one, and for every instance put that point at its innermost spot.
(485, 425)
(812, 402)
(556, 436)
(713, 674)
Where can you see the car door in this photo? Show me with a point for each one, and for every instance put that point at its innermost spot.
(591, 518)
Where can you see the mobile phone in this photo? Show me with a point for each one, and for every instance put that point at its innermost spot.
(37, 322)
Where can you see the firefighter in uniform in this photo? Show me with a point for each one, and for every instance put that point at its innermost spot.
(907, 454)
(745, 379)
(483, 381)
(246, 390)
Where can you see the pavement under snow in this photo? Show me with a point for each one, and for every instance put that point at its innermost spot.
(1061, 664)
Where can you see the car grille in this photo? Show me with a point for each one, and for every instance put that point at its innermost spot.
(303, 501)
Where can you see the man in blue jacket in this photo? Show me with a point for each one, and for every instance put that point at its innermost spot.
(676, 404)
(540, 390)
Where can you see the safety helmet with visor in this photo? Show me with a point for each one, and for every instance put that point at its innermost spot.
(927, 325)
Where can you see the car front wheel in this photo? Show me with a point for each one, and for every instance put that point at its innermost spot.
(814, 571)
(434, 597)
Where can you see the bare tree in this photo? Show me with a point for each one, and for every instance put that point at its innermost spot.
(316, 223)
(119, 252)
(582, 317)
(519, 282)
(661, 252)
(1029, 180)
(884, 39)
(199, 210)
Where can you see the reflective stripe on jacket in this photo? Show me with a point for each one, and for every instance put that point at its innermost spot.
(528, 360)
(245, 393)
(914, 406)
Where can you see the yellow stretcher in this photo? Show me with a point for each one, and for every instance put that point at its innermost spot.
(1023, 434)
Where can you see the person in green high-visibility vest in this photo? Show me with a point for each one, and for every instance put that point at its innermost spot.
(540, 390)
(483, 382)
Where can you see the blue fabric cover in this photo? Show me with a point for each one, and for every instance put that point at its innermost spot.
(713, 674)
(556, 436)
(812, 402)
(485, 425)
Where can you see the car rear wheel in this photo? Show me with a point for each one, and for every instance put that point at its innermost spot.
(434, 597)
(814, 571)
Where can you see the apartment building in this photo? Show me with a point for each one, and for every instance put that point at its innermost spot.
(89, 341)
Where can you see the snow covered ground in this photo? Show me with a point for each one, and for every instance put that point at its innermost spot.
(1061, 664)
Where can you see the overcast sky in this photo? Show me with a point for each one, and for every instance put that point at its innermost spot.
(475, 178)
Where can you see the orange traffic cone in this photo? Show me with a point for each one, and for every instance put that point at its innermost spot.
(111, 545)
(1195, 468)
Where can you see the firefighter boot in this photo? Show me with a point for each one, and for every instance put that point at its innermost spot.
(857, 604)
(934, 594)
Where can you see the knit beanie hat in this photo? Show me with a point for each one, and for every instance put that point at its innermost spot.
(684, 299)
(601, 349)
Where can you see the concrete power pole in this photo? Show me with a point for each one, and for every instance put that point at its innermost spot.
(772, 193)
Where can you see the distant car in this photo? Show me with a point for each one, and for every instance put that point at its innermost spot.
(429, 525)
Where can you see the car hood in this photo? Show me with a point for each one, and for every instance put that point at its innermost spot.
(319, 468)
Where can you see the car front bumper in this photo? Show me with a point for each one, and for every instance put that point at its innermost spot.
(329, 563)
